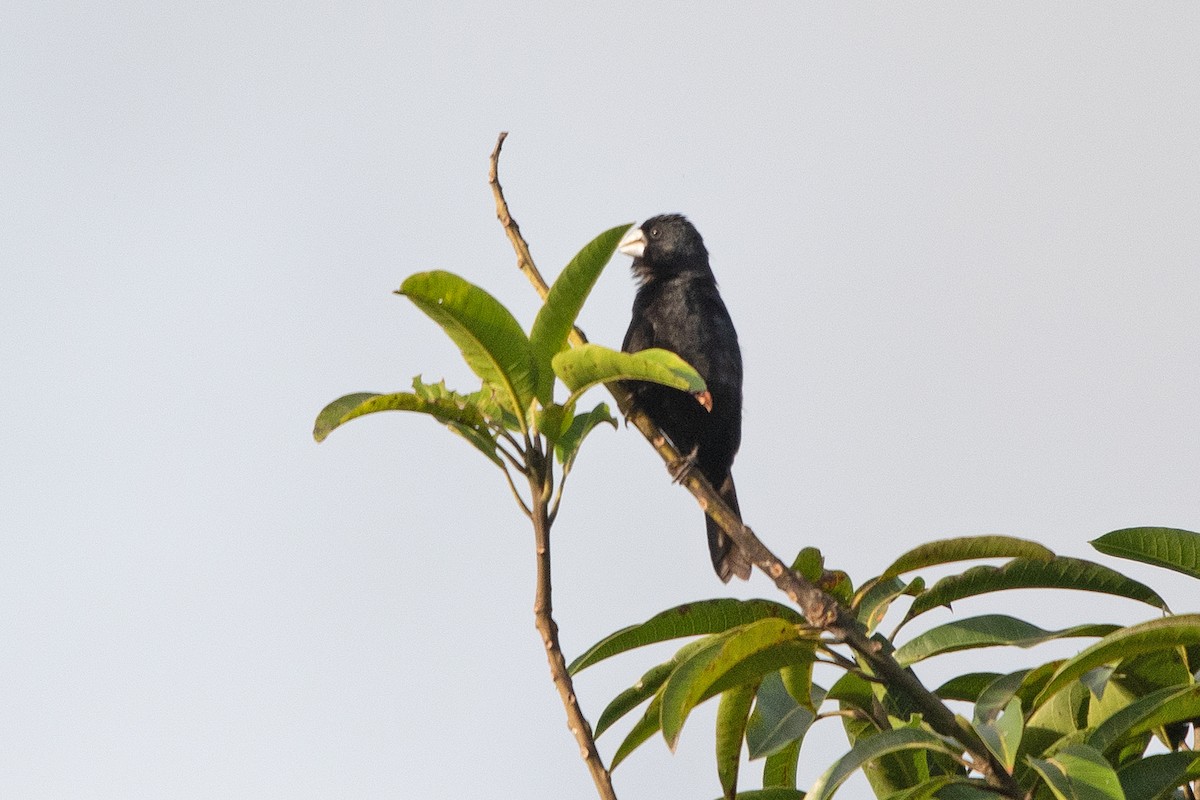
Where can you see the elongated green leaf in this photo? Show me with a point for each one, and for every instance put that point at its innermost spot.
(989, 630)
(948, 787)
(490, 338)
(780, 769)
(581, 368)
(1059, 720)
(567, 446)
(646, 687)
(1078, 772)
(774, 793)
(778, 720)
(966, 687)
(338, 412)
(1158, 634)
(871, 748)
(732, 712)
(1024, 573)
(1161, 707)
(554, 321)
(688, 684)
(634, 696)
(691, 619)
(996, 698)
(966, 548)
(344, 409)
(1002, 733)
(873, 599)
(643, 729)
(1163, 547)
(1153, 777)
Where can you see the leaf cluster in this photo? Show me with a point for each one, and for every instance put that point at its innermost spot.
(1080, 727)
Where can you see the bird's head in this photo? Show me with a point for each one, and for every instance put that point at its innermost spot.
(663, 246)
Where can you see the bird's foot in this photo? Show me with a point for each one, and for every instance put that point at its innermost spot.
(680, 467)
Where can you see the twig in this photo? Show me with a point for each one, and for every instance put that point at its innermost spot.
(543, 610)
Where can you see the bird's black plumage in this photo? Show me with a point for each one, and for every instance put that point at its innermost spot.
(678, 308)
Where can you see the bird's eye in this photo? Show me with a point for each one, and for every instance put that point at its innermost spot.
(654, 231)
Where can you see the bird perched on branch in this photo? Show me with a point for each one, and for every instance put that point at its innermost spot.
(678, 308)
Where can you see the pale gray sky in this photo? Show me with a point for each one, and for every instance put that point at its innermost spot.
(960, 242)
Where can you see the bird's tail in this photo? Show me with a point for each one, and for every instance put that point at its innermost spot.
(727, 558)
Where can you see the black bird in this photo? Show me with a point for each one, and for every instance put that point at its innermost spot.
(678, 308)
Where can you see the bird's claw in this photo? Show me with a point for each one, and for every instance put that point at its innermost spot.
(680, 467)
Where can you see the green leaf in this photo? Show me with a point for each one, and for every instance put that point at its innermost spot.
(948, 787)
(810, 563)
(567, 446)
(646, 687)
(466, 421)
(1157, 634)
(490, 338)
(1077, 772)
(989, 630)
(1023, 573)
(554, 320)
(1158, 708)
(643, 729)
(780, 769)
(1002, 734)
(551, 421)
(774, 793)
(1163, 547)
(966, 687)
(732, 712)
(998, 694)
(690, 683)
(874, 599)
(1153, 777)
(778, 720)
(965, 548)
(1063, 717)
(870, 748)
(581, 368)
(690, 619)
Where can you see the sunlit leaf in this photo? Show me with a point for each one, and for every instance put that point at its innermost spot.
(1163, 547)
(554, 321)
(1158, 634)
(965, 548)
(489, 337)
(690, 619)
(581, 368)
(989, 630)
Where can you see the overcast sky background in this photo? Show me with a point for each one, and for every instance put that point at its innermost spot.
(961, 243)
